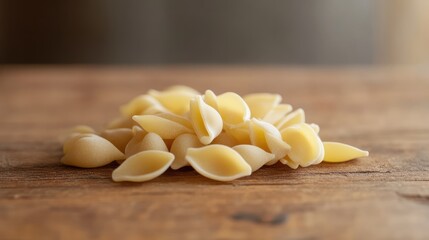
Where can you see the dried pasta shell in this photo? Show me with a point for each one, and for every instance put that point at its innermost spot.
(254, 156)
(211, 99)
(295, 117)
(119, 137)
(240, 132)
(138, 105)
(267, 137)
(143, 166)
(182, 88)
(122, 122)
(166, 125)
(150, 141)
(89, 151)
(306, 146)
(232, 108)
(68, 143)
(289, 162)
(340, 152)
(175, 101)
(225, 139)
(218, 162)
(261, 103)
(277, 113)
(180, 146)
(206, 121)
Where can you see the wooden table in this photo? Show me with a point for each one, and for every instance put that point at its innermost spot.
(384, 196)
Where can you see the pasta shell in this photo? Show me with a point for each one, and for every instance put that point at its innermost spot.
(122, 122)
(254, 156)
(206, 120)
(150, 141)
(218, 162)
(340, 152)
(225, 139)
(183, 89)
(68, 143)
(306, 146)
(89, 151)
(289, 162)
(166, 125)
(232, 108)
(277, 113)
(175, 101)
(240, 132)
(180, 146)
(295, 117)
(211, 99)
(267, 137)
(119, 137)
(138, 105)
(143, 166)
(261, 103)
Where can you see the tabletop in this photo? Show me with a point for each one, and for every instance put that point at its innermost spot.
(384, 196)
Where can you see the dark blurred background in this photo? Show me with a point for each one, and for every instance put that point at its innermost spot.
(327, 32)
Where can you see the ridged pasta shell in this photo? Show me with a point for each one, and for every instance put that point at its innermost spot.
(206, 121)
(295, 117)
(138, 105)
(143, 166)
(89, 151)
(225, 139)
(166, 125)
(218, 162)
(150, 141)
(277, 113)
(175, 101)
(254, 156)
(340, 152)
(306, 146)
(119, 137)
(267, 137)
(261, 103)
(232, 108)
(180, 147)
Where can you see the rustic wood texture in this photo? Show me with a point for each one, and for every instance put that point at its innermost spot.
(384, 196)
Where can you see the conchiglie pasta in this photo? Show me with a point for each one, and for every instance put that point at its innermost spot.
(295, 117)
(254, 156)
(150, 141)
(138, 105)
(340, 152)
(232, 108)
(262, 103)
(118, 137)
(218, 162)
(166, 125)
(206, 121)
(180, 146)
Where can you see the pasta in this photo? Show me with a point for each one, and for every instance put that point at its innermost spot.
(222, 137)
(218, 162)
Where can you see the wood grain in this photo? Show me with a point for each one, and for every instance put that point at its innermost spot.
(385, 196)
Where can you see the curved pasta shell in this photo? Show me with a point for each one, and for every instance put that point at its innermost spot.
(175, 101)
(180, 147)
(232, 108)
(211, 99)
(254, 156)
(261, 103)
(225, 139)
(143, 166)
(306, 146)
(277, 113)
(89, 151)
(150, 141)
(122, 122)
(77, 130)
(138, 105)
(68, 143)
(119, 137)
(182, 88)
(166, 125)
(240, 132)
(267, 137)
(206, 120)
(340, 152)
(295, 117)
(218, 162)
(289, 162)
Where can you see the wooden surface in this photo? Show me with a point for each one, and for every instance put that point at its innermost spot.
(385, 196)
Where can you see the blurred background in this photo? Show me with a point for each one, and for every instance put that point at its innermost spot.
(316, 32)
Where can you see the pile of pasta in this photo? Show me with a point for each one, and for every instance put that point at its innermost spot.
(223, 137)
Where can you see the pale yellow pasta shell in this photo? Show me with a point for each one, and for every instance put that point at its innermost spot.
(340, 152)
(261, 103)
(183, 89)
(277, 113)
(289, 162)
(240, 132)
(232, 108)
(91, 151)
(218, 162)
(180, 147)
(267, 137)
(254, 156)
(206, 121)
(225, 139)
(122, 122)
(138, 105)
(210, 98)
(306, 146)
(143, 166)
(69, 141)
(150, 141)
(119, 137)
(295, 117)
(166, 125)
(175, 101)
